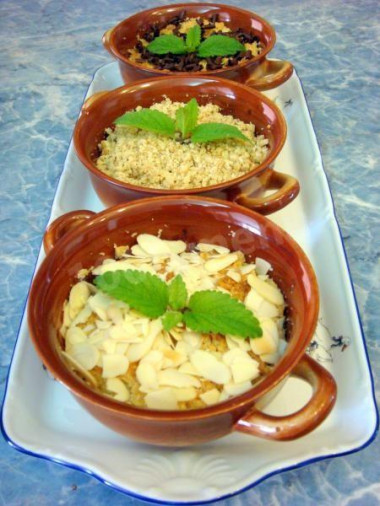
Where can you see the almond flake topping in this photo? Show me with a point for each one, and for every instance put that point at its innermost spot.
(132, 358)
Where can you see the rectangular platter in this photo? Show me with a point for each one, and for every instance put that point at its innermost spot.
(41, 418)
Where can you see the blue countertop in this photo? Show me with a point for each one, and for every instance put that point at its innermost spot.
(49, 52)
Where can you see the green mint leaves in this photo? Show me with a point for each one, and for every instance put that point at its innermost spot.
(211, 311)
(219, 45)
(193, 38)
(177, 293)
(148, 119)
(215, 45)
(142, 291)
(186, 118)
(167, 44)
(206, 311)
(207, 132)
(185, 123)
(171, 319)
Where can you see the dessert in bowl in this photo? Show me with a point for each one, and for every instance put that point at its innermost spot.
(81, 242)
(248, 164)
(132, 43)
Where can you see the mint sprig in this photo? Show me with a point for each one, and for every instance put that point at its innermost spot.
(206, 311)
(142, 291)
(211, 311)
(186, 118)
(149, 119)
(185, 124)
(215, 45)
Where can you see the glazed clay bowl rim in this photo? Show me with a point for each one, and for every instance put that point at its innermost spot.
(103, 96)
(284, 367)
(115, 51)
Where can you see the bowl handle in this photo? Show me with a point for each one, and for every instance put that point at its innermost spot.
(62, 225)
(269, 74)
(287, 188)
(284, 428)
(106, 40)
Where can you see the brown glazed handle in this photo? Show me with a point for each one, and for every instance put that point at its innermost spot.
(287, 188)
(106, 40)
(269, 74)
(284, 428)
(62, 225)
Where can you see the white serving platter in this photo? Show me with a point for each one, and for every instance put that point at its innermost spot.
(41, 418)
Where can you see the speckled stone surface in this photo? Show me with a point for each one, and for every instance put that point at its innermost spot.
(49, 51)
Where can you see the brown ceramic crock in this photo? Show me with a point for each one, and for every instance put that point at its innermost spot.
(259, 72)
(249, 190)
(77, 240)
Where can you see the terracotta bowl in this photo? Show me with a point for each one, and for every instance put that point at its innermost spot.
(75, 241)
(100, 111)
(260, 73)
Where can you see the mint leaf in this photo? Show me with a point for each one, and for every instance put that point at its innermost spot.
(193, 38)
(150, 120)
(186, 117)
(143, 291)
(207, 132)
(211, 311)
(167, 44)
(177, 293)
(171, 319)
(219, 45)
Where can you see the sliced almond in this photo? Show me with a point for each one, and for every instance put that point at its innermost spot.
(85, 354)
(153, 245)
(209, 367)
(75, 335)
(206, 248)
(210, 397)
(175, 357)
(246, 370)
(268, 310)
(268, 342)
(78, 297)
(117, 387)
(109, 346)
(247, 268)
(219, 263)
(99, 304)
(233, 389)
(185, 394)
(242, 366)
(121, 348)
(146, 375)
(115, 314)
(103, 325)
(174, 378)
(253, 301)
(188, 368)
(80, 369)
(82, 316)
(163, 399)
(66, 315)
(269, 292)
(262, 266)
(243, 344)
(193, 339)
(176, 247)
(137, 351)
(139, 252)
(234, 275)
(154, 357)
(114, 365)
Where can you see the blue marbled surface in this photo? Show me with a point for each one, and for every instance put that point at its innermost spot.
(49, 51)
